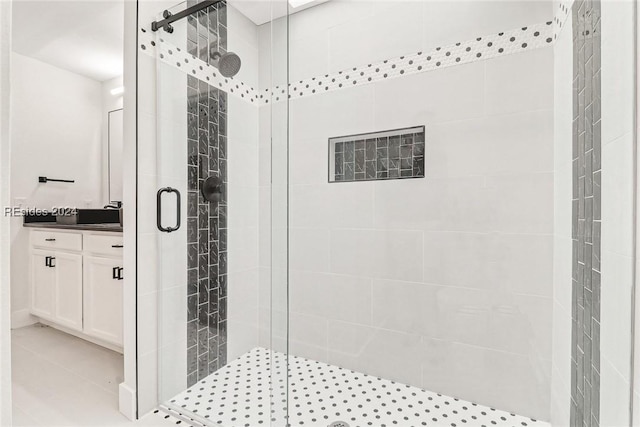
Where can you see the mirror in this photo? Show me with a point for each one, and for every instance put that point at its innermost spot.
(114, 141)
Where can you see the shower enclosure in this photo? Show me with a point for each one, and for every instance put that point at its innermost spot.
(387, 212)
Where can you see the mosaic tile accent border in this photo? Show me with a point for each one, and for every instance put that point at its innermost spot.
(561, 16)
(191, 62)
(586, 228)
(481, 48)
(206, 222)
(478, 49)
(377, 156)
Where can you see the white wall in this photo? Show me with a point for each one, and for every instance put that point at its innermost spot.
(617, 210)
(56, 119)
(66, 143)
(636, 361)
(5, 308)
(562, 240)
(443, 282)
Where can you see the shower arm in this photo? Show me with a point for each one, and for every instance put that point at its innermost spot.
(169, 18)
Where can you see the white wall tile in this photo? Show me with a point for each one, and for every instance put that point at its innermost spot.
(242, 202)
(615, 330)
(242, 248)
(309, 249)
(344, 112)
(332, 296)
(490, 319)
(519, 384)
(482, 177)
(243, 297)
(432, 204)
(361, 41)
(377, 253)
(448, 22)
(308, 163)
(308, 56)
(243, 40)
(561, 362)
(332, 205)
(532, 90)
(243, 120)
(241, 338)
(521, 203)
(497, 141)
(617, 195)
(617, 69)
(562, 223)
(517, 253)
(455, 93)
(391, 355)
(615, 398)
(308, 336)
(321, 18)
(458, 259)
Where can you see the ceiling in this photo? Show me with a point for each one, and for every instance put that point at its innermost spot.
(263, 11)
(85, 37)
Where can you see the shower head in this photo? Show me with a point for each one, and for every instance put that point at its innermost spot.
(227, 63)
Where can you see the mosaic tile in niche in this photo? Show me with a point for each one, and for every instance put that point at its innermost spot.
(379, 155)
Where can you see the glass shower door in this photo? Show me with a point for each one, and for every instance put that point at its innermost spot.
(214, 200)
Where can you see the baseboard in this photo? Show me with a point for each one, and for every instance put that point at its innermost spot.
(79, 334)
(127, 401)
(22, 318)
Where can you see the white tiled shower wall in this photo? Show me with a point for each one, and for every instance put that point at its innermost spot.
(617, 208)
(562, 245)
(421, 281)
(451, 247)
(242, 190)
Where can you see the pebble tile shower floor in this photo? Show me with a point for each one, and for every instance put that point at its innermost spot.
(321, 394)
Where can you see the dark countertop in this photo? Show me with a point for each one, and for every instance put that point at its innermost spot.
(115, 227)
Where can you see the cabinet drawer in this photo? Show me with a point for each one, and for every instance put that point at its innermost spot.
(57, 240)
(103, 244)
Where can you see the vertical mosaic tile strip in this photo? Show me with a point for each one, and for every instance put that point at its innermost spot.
(381, 155)
(585, 336)
(206, 222)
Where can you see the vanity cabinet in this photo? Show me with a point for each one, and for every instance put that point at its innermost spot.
(76, 282)
(43, 280)
(56, 287)
(103, 298)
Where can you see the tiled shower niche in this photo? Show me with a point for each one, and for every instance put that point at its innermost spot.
(382, 155)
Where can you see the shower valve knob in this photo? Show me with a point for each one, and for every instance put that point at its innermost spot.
(212, 189)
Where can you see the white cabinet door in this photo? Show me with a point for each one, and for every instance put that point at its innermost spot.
(68, 272)
(103, 298)
(43, 285)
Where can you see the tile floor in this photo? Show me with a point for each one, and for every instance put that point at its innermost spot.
(321, 394)
(61, 380)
